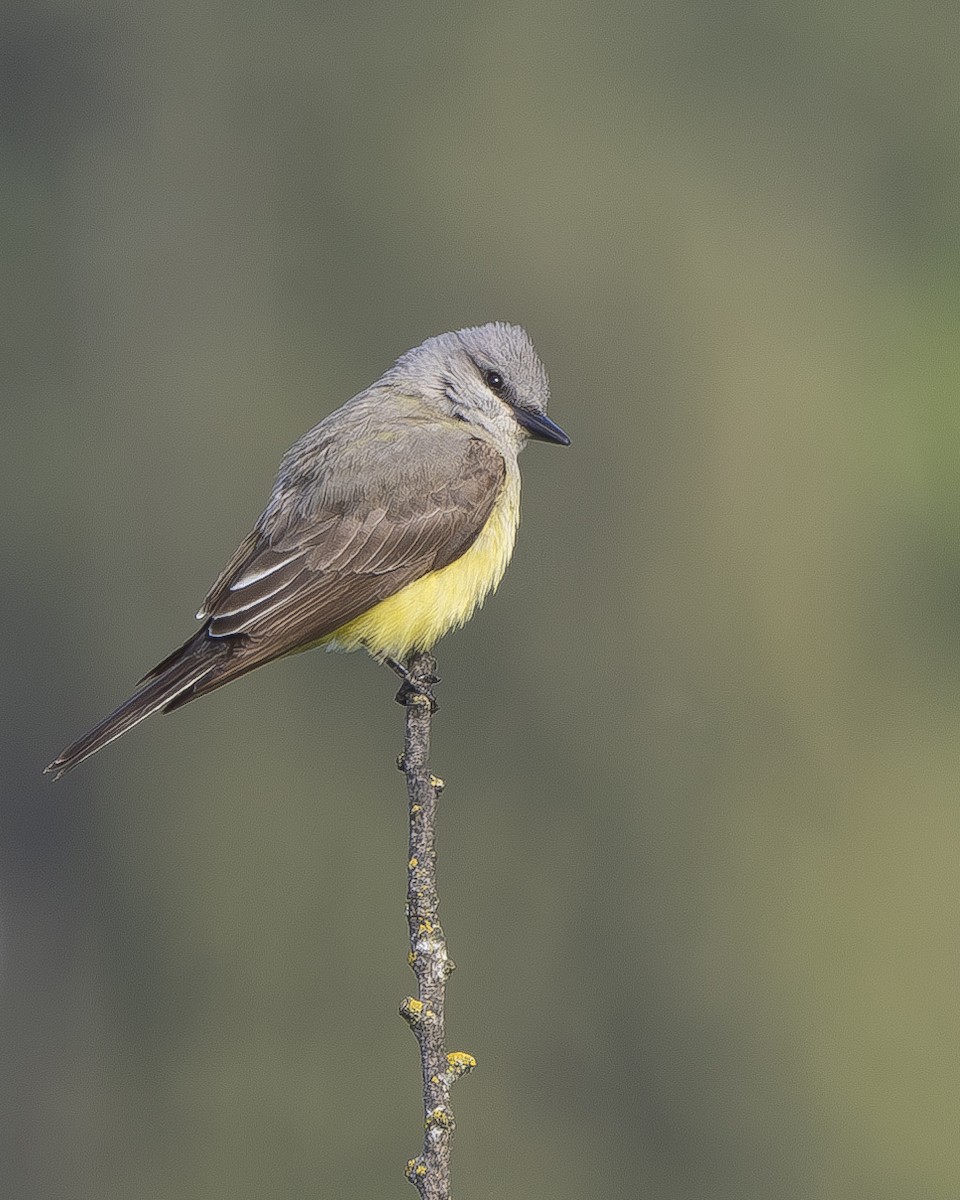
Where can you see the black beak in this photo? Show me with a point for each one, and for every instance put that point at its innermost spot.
(539, 426)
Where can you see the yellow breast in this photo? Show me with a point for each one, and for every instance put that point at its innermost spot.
(423, 611)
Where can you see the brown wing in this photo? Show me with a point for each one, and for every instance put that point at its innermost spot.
(323, 570)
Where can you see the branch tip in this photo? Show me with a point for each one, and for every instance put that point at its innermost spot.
(416, 1169)
(460, 1063)
(411, 1010)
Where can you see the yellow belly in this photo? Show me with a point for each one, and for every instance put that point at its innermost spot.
(423, 611)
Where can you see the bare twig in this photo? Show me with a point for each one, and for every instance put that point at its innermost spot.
(430, 1170)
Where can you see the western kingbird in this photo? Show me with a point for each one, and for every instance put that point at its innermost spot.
(388, 524)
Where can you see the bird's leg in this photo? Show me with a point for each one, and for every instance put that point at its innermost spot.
(410, 687)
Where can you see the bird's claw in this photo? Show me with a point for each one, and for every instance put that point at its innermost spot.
(410, 688)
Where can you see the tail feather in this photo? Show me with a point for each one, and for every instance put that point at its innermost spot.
(166, 683)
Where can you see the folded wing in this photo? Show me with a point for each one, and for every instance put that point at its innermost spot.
(282, 592)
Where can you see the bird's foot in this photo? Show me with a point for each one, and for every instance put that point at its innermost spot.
(413, 687)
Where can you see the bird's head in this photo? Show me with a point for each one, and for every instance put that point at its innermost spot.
(489, 376)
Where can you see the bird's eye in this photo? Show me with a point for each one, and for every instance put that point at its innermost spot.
(494, 381)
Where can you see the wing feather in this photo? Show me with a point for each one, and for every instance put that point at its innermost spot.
(267, 563)
(255, 588)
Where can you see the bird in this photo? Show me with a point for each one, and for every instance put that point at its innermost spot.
(388, 524)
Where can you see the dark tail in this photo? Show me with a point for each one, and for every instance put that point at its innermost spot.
(174, 680)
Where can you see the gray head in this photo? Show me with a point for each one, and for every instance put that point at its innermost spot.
(487, 375)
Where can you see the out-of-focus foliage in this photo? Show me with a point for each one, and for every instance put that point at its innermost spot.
(701, 836)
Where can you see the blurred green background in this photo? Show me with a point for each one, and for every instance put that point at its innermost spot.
(700, 840)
